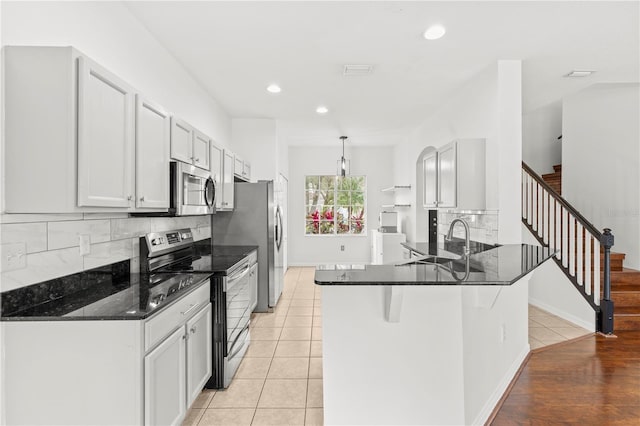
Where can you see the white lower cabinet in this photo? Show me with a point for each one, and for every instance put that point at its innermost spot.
(165, 381)
(108, 372)
(176, 370)
(253, 283)
(199, 347)
(386, 247)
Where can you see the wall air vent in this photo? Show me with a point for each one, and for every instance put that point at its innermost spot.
(357, 70)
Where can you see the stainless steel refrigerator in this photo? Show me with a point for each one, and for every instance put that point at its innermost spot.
(257, 219)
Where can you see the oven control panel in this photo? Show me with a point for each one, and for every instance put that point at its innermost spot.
(157, 242)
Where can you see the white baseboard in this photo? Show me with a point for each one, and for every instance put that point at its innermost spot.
(591, 326)
(303, 265)
(501, 388)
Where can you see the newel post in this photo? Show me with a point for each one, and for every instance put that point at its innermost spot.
(605, 323)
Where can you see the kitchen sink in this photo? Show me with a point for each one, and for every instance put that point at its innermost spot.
(455, 265)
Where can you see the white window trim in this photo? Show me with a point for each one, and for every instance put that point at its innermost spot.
(335, 234)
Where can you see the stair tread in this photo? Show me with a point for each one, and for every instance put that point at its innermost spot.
(557, 168)
(627, 311)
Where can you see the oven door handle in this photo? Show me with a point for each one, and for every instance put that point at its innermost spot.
(239, 348)
(237, 276)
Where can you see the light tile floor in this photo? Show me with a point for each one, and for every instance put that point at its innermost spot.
(279, 382)
(546, 329)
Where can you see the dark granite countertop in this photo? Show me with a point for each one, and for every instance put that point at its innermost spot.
(218, 259)
(105, 293)
(502, 265)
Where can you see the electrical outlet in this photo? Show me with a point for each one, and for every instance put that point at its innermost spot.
(14, 256)
(342, 248)
(85, 244)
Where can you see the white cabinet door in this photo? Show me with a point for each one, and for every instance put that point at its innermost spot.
(201, 144)
(246, 171)
(253, 284)
(238, 166)
(447, 176)
(216, 163)
(181, 140)
(198, 353)
(152, 155)
(165, 381)
(227, 180)
(429, 167)
(105, 138)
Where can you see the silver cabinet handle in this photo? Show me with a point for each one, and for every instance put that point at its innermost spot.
(142, 198)
(193, 329)
(197, 160)
(188, 310)
(130, 197)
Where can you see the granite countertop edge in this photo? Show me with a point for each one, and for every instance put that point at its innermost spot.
(107, 317)
(327, 281)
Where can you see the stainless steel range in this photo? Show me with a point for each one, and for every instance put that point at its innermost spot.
(231, 293)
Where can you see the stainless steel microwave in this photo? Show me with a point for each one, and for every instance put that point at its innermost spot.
(192, 190)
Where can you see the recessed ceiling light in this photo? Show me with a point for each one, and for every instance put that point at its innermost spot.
(580, 73)
(434, 32)
(273, 88)
(322, 109)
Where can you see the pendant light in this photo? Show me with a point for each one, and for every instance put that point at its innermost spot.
(343, 163)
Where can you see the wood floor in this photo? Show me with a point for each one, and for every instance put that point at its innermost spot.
(591, 381)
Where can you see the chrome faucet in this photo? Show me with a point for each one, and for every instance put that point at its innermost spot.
(467, 243)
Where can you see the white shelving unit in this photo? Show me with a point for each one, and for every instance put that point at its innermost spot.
(394, 189)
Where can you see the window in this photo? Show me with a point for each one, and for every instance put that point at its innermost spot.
(335, 205)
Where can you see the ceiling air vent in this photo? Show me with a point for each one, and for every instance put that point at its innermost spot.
(357, 70)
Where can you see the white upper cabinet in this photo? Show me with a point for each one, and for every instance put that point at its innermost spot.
(152, 155)
(188, 144)
(71, 135)
(227, 180)
(430, 170)
(201, 144)
(217, 163)
(242, 169)
(181, 140)
(454, 176)
(447, 165)
(105, 138)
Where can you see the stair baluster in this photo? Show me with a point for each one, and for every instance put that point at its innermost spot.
(558, 225)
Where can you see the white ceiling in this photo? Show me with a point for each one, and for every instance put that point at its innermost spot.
(236, 48)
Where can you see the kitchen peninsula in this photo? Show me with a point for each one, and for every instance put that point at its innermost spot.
(435, 340)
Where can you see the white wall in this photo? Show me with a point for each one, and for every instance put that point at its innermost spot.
(541, 149)
(373, 162)
(255, 140)
(109, 34)
(551, 290)
(601, 161)
(488, 107)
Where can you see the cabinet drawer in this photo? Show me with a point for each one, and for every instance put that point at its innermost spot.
(159, 326)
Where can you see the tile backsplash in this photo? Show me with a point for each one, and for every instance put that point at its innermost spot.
(483, 225)
(40, 247)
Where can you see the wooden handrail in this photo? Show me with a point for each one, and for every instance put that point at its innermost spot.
(564, 203)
